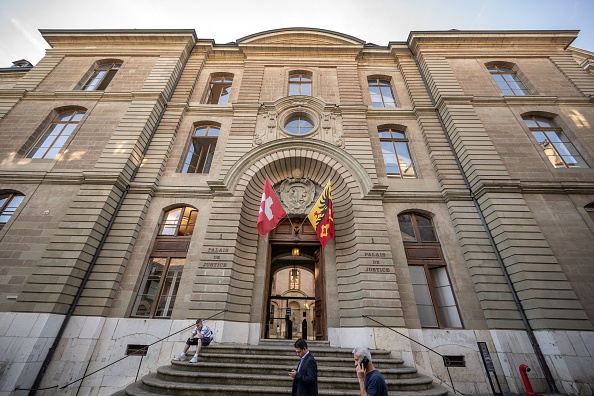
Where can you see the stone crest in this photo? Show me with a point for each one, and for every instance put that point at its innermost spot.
(297, 193)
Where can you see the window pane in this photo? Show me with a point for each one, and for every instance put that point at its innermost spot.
(545, 123)
(404, 160)
(148, 292)
(385, 134)
(225, 95)
(388, 97)
(406, 228)
(423, 297)
(427, 234)
(170, 222)
(398, 135)
(213, 131)
(293, 89)
(201, 131)
(78, 116)
(446, 304)
(530, 123)
(306, 89)
(170, 288)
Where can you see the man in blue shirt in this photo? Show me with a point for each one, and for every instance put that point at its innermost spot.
(371, 382)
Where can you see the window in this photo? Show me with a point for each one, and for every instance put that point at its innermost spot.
(396, 154)
(102, 76)
(299, 125)
(9, 202)
(553, 142)
(219, 90)
(294, 279)
(508, 81)
(299, 84)
(432, 289)
(201, 150)
(56, 135)
(179, 222)
(590, 210)
(381, 93)
(158, 291)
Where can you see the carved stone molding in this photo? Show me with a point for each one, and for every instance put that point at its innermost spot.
(297, 193)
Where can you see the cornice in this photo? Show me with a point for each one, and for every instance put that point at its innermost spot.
(106, 37)
(182, 192)
(498, 40)
(557, 187)
(78, 95)
(374, 113)
(482, 101)
(413, 196)
(12, 93)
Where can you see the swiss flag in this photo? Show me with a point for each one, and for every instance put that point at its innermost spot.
(271, 210)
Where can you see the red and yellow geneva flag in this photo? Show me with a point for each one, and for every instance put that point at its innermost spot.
(321, 216)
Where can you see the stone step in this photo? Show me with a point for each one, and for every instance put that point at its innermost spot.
(285, 361)
(151, 385)
(169, 375)
(274, 368)
(231, 369)
(278, 349)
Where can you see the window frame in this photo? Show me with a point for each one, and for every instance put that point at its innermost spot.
(47, 133)
(393, 140)
(429, 265)
(511, 70)
(215, 88)
(300, 84)
(388, 83)
(556, 129)
(10, 196)
(204, 160)
(106, 79)
(167, 248)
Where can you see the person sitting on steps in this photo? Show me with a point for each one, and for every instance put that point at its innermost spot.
(201, 336)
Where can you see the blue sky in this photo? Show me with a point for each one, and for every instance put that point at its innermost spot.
(375, 21)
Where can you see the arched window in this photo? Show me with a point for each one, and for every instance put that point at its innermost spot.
(396, 153)
(553, 142)
(102, 76)
(381, 92)
(219, 89)
(201, 149)
(432, 289)
(508, 80)
(157, 294)
(56, 134)
(299, 83)
(9, 202)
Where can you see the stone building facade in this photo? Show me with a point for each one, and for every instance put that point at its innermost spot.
(132, 164)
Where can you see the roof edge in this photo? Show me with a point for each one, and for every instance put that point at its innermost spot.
(281, 30)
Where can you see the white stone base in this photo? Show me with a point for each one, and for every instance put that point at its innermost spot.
(90, 343)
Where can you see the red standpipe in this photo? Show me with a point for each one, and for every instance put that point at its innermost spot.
(524, 370)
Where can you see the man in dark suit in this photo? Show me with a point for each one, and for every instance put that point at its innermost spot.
(305, 378)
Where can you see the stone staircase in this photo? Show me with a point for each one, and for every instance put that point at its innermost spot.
(230, 369)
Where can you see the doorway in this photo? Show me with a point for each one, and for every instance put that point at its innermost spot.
(295, 286)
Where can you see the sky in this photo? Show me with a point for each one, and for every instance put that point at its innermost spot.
(374, 21)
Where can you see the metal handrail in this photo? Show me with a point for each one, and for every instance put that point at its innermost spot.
(445, 359)
(119, 360)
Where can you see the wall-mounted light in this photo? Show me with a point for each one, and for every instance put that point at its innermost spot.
(295, 252)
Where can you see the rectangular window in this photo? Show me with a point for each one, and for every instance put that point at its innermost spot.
(159, 288)
(219, 90)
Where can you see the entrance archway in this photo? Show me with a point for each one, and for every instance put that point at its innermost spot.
(295, 287)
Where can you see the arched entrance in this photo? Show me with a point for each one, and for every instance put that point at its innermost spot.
(295, 286)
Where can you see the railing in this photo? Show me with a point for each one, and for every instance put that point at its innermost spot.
(138, 351)
(446, 361)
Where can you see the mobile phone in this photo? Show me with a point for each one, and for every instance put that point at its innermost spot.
(364, 363)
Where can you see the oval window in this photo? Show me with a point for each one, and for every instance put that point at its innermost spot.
(299, 125)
